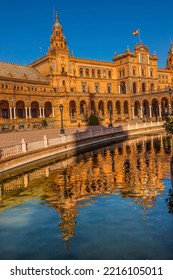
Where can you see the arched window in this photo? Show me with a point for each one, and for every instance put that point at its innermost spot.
(109, 74)
(101, 108)
(93, 73)
(123, 87)
(134, 87)
(72, 109)
(98, 74)
(143, 87)
(126, 108)
(152, 86)
(87, 73)
(83, 107)
(81, 72)
(134, 72)
(118, 107)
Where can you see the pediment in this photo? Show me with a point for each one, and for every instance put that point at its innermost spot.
(142, 48)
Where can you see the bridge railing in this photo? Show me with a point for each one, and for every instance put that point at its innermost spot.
(24, 147)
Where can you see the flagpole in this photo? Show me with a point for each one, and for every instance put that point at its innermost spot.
(139, 36)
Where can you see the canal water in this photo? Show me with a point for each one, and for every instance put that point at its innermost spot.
(115, 202)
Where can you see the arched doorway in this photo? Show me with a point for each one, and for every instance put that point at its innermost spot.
(164, 107)
(118, 108)
(101, 109)
(20, 110)
(155, 108)
(48, 109)
(4, 109)
(109, 106)
(126, 108)
(72, 109)
(146, 111)
(93, 108)
(83, 107)
(137, 109)
(34, 109)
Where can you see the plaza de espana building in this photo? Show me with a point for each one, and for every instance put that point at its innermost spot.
(131, 87)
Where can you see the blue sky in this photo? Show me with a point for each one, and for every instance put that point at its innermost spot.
(93, 29)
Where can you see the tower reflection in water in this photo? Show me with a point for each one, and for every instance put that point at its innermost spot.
(134, 169)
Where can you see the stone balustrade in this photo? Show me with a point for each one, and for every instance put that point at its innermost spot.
(44, 143)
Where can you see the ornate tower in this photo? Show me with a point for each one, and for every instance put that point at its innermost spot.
(58, 40)
(169, 65)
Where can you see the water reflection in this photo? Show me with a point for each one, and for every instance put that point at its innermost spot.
(134, 169)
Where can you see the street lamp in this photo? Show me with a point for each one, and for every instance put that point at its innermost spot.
(170, 94)
(61, 107)
(110, 117)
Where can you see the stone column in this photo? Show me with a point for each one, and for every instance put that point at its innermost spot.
(133, 112)
(10, 112)
(141, 112)
(53, 112)
(170, 109)
(30, 112)
(150, 111)
(118, 89)
(160, 111)
(40, 112)
(26, 112)
(43, 112)
(14, 108)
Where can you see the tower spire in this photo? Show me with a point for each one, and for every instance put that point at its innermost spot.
(56, 18)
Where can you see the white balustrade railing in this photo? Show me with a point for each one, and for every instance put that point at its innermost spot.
(26, 147)
(34, 145)
(10, 151)
(54, 141)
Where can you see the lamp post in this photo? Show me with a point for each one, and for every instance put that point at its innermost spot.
(170, 94)
(61, 107)
(110, 117)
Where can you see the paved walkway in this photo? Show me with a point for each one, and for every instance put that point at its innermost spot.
(13, 138)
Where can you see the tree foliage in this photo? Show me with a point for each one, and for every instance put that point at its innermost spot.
(168, 125)
(93, 120)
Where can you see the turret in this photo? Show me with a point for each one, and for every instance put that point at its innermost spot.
(57, 40)
(169, 65)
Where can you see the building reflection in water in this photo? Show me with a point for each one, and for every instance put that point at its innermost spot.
(134, 169)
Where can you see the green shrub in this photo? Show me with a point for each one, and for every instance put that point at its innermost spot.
(43, 123)
(93, 120)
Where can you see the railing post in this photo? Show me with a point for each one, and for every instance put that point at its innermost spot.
(45, 141)
(63, 138)
(77, 135)
(24, 148)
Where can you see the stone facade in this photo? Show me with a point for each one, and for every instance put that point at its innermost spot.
(130, 87)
